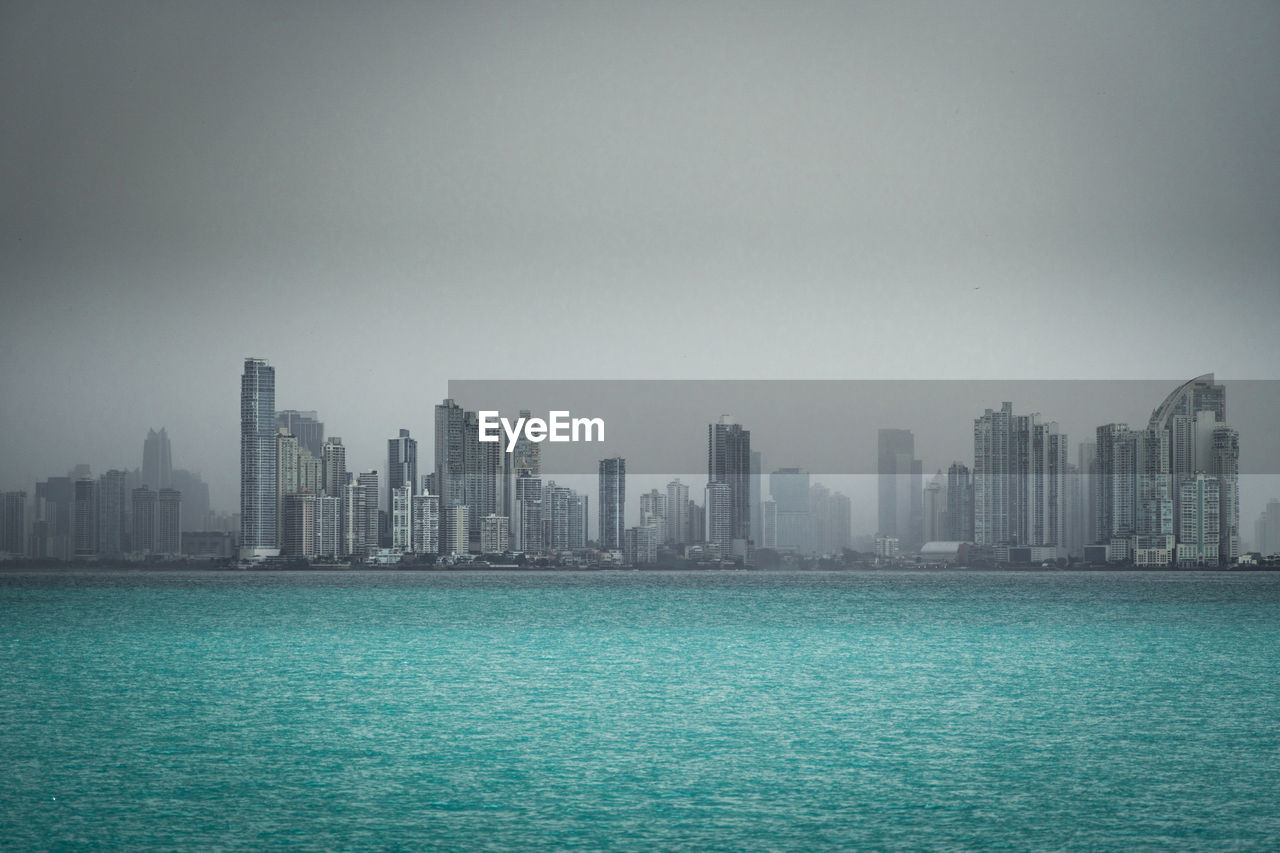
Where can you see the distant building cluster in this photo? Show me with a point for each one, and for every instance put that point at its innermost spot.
(1166, 494)
(137, 513)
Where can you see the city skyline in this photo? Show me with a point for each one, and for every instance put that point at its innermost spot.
(1186, 441)
(1068, 205)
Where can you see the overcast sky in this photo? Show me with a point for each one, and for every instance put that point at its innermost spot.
(379, 198)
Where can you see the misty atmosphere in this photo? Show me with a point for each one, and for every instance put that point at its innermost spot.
(924, 356)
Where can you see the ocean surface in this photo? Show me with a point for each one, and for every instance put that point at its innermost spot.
(640, 711)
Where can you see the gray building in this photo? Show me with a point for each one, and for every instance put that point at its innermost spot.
(258, 519)
(613, 499)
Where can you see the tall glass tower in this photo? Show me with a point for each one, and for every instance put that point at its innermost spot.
(613, 500)
(258, 522)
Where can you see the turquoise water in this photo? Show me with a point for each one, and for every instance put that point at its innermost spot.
(640, 711)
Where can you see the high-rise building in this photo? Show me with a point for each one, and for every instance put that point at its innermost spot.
(402, 464)
(450, 453)
(368, 481)
(402, 517)
(308, 428)
(720, 503)
(51, 534)
(831, 513)
(85, 519)
(555, 517)
(13, 523)
(483, 466)
(959, 508)
(1200, 511)
(578, 506)
(258, 518)
(991, 444)
(1087, 472)
(157, 460)
(729, 462)
(697, 523)
(493, 534)
(613, 499)
(425, 524)
(298, 530)
(1266, 530)
(113, 513)
(168, 522)
(526, 519)
(653, 512)
(354, 520)
(1113, 483)
(143, 538)
(756, 496)
(898, 480)
(334, 465)
(790, 490)
(288, 455)
(935, 509)
(769, 524)
(1226, 467)
(1019, 481)
(195, 500)
(455, 535)
(678, 510)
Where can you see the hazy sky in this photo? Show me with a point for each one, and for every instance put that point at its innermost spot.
(379, 198)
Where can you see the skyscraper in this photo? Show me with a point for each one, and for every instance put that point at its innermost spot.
(526, 519)
(308, 428)
(899, 478)
(729, 462)
(402, 517)
(144, 520)
(402, 464)
(959, 503)
(1226, 467)
(719, 508)
(613, 499)
(168, 522)
(113, 511)
(13, 523)
(85, 519)
(790, 490)
(368, 481)
(334, 465)
(425, 524)
(157, 460)
(1200, 511)
(449, 453)
(258, 519)
(678, 513)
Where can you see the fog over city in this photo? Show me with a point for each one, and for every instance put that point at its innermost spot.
(380, 199)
